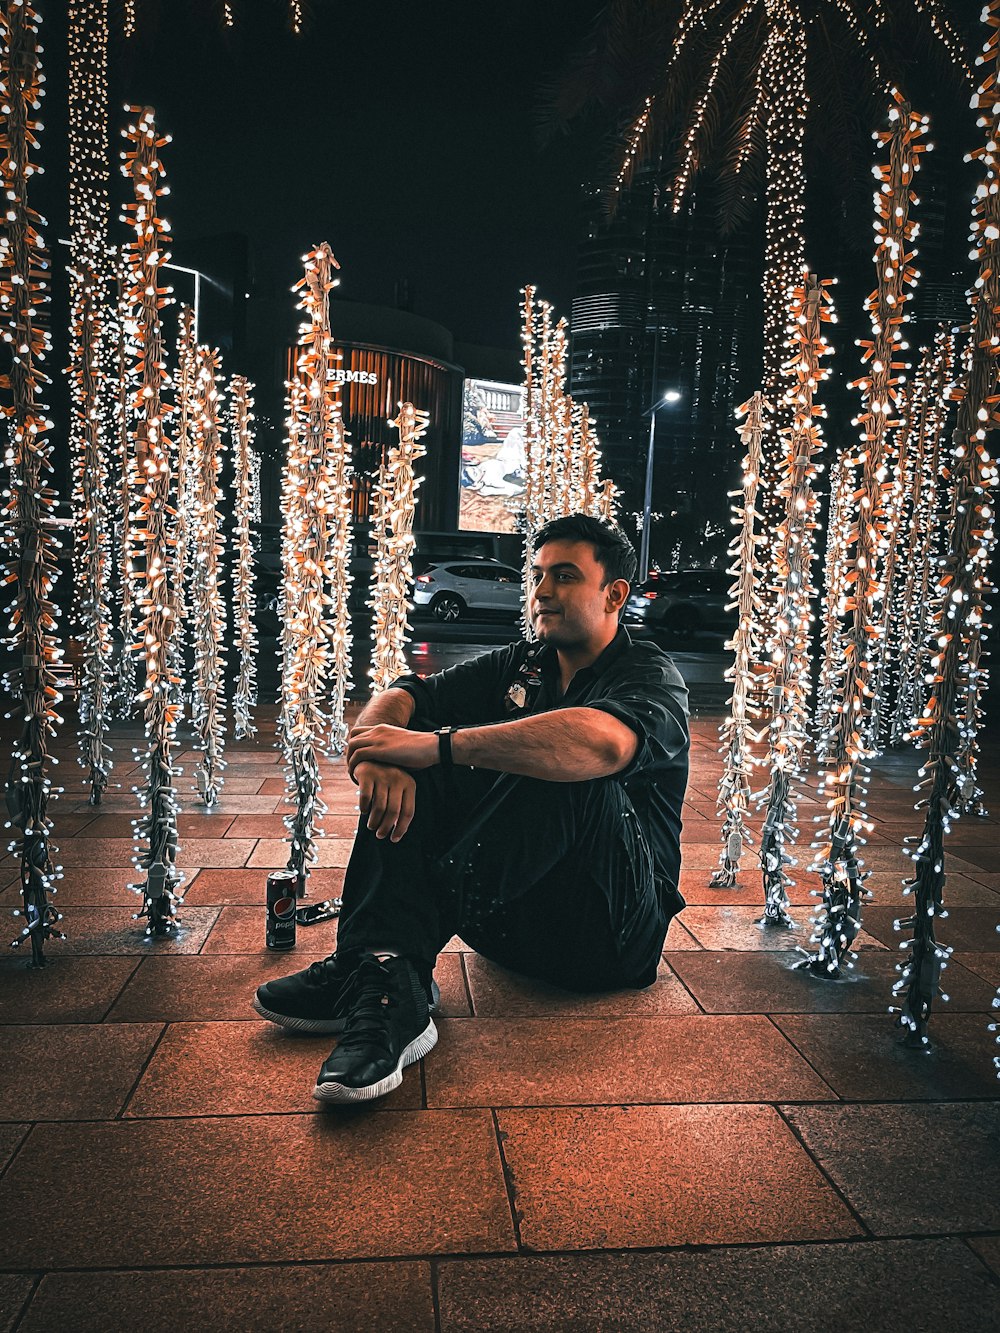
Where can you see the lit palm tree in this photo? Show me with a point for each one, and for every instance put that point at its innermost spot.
(732, 83)
(229, 13)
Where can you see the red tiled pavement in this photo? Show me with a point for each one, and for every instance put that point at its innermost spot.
(69, 990)
(540, 1061)
(737, 1103)
(222, 888)
(115, 930)
(208, 987)
(83, 1071)
(348, 1298)
(497, 993)
(723, 1290)
(988, 1249)
(272, 853)
(241, 930)
(11, 1138)
(240, 1186)
(607, 1177)
(241, 1069)
(84, 851)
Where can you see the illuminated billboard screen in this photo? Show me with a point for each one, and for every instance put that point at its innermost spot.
(492, 471)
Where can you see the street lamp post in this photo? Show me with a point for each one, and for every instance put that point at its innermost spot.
(671, 396)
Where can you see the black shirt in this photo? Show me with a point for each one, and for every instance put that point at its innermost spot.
(634, 682)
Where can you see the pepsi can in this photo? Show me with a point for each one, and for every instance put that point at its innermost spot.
(281, 886)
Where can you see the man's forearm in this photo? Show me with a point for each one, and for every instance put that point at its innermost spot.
(568, 745)
(393, 707)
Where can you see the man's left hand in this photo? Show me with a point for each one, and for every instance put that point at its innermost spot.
(384, 744)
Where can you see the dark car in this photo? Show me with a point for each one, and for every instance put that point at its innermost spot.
(683, 601)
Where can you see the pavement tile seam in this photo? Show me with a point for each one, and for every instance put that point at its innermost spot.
(680, 981)
(17, 1317)
(516, 1216)
(456, 1257)
(463, 962)
(5, 1166)
(142, 1073)
(867, 1232)
(802, 1056)
(121, 988)
(778, 1247)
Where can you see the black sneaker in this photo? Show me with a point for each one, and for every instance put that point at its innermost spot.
(312, 1000)
(388, 1027)
(316, 999)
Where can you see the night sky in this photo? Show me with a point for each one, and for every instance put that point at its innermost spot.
(407, 136)
(404, 134)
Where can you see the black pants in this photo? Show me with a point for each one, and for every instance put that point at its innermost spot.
(555, 882)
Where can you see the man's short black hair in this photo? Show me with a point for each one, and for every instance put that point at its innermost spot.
(612, 549)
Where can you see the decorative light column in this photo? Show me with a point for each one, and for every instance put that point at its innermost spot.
(208, 693)
(89, 212)
(897, 520)
(838, 528)
(842, 787)
(156, 831)
(396, 499)
(341, 474)
(247, 495)
(28, 503)
(311, 569)
(737, 732)
(949, 724)
(534, 330)
(123, 352)
(930, 414)
(793, 589)
(185, 522)
(607, 501)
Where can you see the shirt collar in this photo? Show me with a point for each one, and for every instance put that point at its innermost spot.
(545, 655)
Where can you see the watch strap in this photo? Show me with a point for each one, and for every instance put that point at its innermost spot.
(445, 757)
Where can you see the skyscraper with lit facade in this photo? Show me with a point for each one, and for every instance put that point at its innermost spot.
(664, 302)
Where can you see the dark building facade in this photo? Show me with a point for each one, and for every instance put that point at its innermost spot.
(663, 304)
(385, 357)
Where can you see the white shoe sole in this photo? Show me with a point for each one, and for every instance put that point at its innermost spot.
(417, 1049)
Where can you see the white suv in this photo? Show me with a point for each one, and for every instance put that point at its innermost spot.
(453, 588)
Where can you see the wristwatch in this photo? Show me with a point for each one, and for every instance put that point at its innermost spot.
(445, 757)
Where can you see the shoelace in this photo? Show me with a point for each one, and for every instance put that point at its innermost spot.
(370, 997)
(318, 971)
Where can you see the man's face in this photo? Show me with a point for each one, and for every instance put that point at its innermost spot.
(567, 603)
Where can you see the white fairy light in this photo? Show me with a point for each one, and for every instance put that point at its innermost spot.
(89, 213)
(948, 726)
(205, 542)
(315, 565)
(842, 489)
(121, 356)
(846, 749)
(34, 678)
(395, 498)
(247, 491)
(562, 453)
(737, 732)
(156, 830)
(765, 47)
(909, 608)
(788, 644)
(185, 467)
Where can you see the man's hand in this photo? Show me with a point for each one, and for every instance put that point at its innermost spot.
(387, 796)
(383, 744)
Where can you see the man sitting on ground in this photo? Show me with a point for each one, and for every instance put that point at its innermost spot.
(528, 800)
